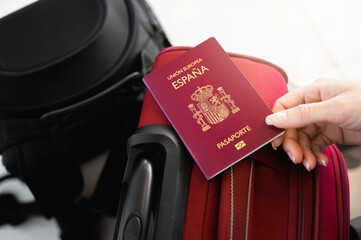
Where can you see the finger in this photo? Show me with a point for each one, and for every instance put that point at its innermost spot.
(278, 141)
(309, 159)
(322, 159)
(303, 115)
(318, 91)
(307, 94)
(319, 144)
(291, 146)
(317, 149)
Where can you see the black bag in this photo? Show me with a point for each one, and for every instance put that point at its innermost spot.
(70, 87)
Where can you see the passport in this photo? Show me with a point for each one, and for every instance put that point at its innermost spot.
(214, 109)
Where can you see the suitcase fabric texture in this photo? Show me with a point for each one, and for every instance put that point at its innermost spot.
(265, 196)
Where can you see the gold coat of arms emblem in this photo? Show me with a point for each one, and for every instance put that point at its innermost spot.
(212, 108)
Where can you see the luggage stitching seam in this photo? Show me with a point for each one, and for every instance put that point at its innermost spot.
(232, 208)
(249, 198)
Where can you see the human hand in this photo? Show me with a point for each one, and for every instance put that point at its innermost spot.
(322, 113)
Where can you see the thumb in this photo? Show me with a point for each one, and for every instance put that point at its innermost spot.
(303, 115)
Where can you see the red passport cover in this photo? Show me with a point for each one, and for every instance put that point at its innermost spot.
(215, 110)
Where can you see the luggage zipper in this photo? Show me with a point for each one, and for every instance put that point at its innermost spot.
(345, 194)
(300, 213)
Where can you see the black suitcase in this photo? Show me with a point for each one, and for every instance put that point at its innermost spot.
(70, 87)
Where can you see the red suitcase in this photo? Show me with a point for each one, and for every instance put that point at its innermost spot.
(264, 196)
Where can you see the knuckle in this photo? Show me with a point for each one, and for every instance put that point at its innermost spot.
(303, 111)
(277, 101)
(279, 105)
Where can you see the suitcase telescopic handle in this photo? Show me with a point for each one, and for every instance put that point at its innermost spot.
(155, 186)
(138, 201)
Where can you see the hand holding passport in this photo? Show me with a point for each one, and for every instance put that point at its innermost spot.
(316, 116)
(214, 109)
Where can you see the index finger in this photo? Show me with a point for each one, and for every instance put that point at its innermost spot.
(297, 97)
(320, 90)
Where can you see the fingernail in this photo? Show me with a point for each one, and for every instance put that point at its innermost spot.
(276, 118)
(290, 155)
(307, 166)
(323, 163)
(274, 148)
